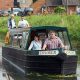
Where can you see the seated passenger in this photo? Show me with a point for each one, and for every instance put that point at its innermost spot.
(52, 42)
(36, 44)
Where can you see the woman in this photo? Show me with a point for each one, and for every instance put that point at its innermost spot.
(36, 44)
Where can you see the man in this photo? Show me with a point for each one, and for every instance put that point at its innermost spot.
(11, 22)
(23, 23)
(52, 42)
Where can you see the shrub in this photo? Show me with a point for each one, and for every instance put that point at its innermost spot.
(59, 9)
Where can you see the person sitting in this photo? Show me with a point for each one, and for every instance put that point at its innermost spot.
(23, 23)
(36, 44)
(53, 42)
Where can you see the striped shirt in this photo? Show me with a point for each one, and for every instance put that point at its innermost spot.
(53, 43)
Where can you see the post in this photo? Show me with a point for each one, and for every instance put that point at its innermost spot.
(66, 6)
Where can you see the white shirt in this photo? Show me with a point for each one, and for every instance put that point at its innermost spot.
(35, 45)
(13, 23)
(23, 23)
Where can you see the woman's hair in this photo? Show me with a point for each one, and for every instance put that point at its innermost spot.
(52, 31)
(36, 36)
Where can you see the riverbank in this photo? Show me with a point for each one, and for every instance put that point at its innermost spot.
(72, 22)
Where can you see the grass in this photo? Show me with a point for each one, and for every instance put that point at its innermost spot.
(72, 22)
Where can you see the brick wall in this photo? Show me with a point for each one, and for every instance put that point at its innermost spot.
(37, 5)
(25, 3)
(6, 4)
(0, 4)
(71, 9)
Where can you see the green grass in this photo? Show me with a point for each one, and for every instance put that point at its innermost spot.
(72, 22)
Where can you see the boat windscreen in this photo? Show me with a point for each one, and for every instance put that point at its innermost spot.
(18, 30)
(17, 35)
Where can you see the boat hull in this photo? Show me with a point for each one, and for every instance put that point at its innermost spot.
(23, 62)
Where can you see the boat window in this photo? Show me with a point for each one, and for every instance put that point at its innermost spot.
(63, 36)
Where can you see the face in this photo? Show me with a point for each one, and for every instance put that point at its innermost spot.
(36, 38)
(52, 35)
(12, 16)
(22, 18)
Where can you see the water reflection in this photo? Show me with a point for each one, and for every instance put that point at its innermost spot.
(37, 76)
(51, 77)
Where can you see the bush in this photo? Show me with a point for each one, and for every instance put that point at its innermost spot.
(59, 9)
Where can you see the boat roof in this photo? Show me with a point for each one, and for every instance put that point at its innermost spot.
(56, 28)
(20, 30)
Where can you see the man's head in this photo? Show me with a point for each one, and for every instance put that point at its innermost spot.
(12, 16)
(52, 34)
(22, 17)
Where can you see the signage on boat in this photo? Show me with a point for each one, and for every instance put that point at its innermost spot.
(52, 52)
(68, 52)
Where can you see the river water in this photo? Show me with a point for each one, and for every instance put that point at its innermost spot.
(43, 77)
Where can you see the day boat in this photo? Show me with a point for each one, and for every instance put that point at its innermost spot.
(18, 59)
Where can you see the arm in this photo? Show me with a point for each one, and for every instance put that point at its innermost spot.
(27, 24)
(44, 46)
(31, 45)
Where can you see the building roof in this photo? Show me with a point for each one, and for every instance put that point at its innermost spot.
(53, 2)
(70, 2)
(61, 2)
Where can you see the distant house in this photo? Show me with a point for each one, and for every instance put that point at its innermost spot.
(51, 4)
(69, 4)
(37, 4)
(6, 4)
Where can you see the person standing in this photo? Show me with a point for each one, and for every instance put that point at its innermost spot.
(11, 25)
(11, 22)
(23, 23)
